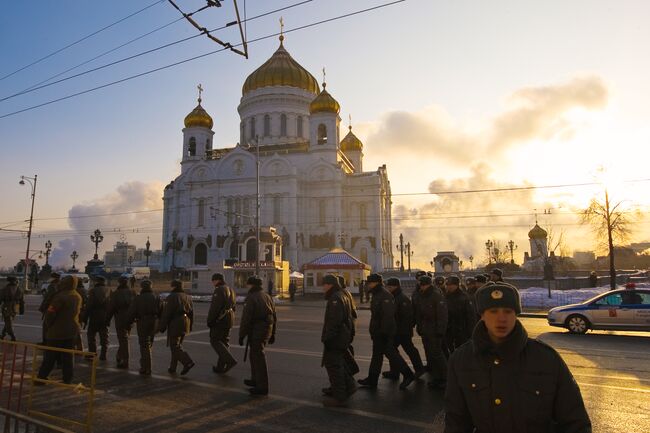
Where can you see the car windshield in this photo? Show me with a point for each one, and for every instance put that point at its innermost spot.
(612, 299)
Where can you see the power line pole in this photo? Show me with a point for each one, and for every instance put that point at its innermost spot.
(31, 222)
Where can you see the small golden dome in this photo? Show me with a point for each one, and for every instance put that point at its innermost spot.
(199, 117)
(281, 70)
(351, 143)
(324, 103)
(537, 233)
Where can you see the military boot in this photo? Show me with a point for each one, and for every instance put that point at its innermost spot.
(102, 354)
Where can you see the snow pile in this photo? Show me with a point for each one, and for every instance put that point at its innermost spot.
(537, 297)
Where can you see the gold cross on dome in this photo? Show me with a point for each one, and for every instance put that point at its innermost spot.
(350, 122)
(281, 26)
(200, 91)
(324, 75)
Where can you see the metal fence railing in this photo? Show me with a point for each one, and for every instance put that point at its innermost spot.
(13, 422)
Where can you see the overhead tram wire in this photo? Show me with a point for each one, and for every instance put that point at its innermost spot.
(200, 56)
(81, 40)
(40, 85)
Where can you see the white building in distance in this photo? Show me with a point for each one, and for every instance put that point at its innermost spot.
(314, 193)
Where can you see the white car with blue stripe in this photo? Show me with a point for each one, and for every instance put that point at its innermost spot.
(617, 310)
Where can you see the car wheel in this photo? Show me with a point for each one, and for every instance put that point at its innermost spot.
(577, 324)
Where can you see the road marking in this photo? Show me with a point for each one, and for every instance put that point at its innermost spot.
(600, 376)
(622, 388)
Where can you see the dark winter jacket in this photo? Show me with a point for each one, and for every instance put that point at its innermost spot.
(12, 300)
(146, 310)
(519, 386)
(119, 305)
(353, 311)
(337, 326)
(61, 319)
(462, 314)
(96, 309)
(403, 313)
(258, 320)
(382, 313)
(47, 296)
(430, 310)
(178, 314)
(222, 307)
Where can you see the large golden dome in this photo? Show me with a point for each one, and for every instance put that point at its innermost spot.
(324, 102)
(281, 70)
(199, 117)
(537, 233)
(351, 143)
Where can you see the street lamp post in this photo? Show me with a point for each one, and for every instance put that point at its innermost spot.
(74, 256)
(48, 250)
(31, 221)
(257, 208)
(342, 238)
(409, 253)
(471, 262)
(400, 248)
(512, 247)
(488, 245)
(147, 251)
(96, 238)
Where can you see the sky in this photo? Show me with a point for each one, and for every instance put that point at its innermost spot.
(451, 95)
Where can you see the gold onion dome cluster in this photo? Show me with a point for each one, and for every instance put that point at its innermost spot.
(199, 117)
(281, 70)
(350, 142)
(324, 103)
(537, 233)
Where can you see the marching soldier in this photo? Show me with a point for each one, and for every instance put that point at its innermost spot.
(220, 320)
(258, 324)
(439, 283)
(118, 306)
(177, 319)
(461, 316)
(382, 331)
(496, 275)
(430, 311)
(96, 312)
(47, 297)
(336, 338)
(11, 303)
(503, 381)
(146, 310)
(350, 362)
(404, 334)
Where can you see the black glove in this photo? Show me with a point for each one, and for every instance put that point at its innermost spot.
(241, 341)
(272, 339)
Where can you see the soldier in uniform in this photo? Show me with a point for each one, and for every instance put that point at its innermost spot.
(503, 381)
(118, 306)
(145, 310)
(430, 311)
(382, 332)
(336, 338)
(258, 324)
(461, 317)
(404, 334)
(439, 283)
(177, 319)
(221, 317)
(62, 324)
(496, 275)
(11, 303)
(47, 297)
(96, 312)
(350, 362)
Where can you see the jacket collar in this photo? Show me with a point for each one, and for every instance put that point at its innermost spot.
(178, 290)
(255, 289)
(509, 349)
(331, 292)
(397, 292)
(378, 288)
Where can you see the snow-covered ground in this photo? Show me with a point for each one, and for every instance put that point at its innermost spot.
(537, 297)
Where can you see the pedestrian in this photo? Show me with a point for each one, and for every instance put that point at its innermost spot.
(503, 381)
(382, 332)
(83, 317)
(439, 283)
(118, 307)
(362, 289)
(12, 302)
(97, 313)
(461, 316)
(430, 310)
(292, 291)
(62, 324)
(177, 319)
(593, 279)
(350, 362)
(257, 327)
(336, 337)
(146, 310)
(404, 335)
(221, 318)
(47, 297)
(270, 287)
(496, 275)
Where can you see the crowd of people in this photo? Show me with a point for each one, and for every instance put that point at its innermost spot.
(494, 377)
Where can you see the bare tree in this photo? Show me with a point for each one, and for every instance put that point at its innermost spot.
(611, 226)
(556, 242)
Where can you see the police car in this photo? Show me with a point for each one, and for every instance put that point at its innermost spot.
(618, 310)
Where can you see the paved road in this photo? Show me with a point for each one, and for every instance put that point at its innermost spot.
(612, 368)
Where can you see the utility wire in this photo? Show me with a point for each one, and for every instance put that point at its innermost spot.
(40, 85)
(81, 40)
(151, 71)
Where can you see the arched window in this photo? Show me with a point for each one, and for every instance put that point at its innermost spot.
(251, 246)
(363, 222)
(364, 255)
(201, 254)
(283, 125)
(322, 134)
(234, 250)
(238, 210)
(201, 213)
(322, 212)
(247, 211)
(277, 209)
(241, 130)
(299, 126)
(229, 206)
(252, 128)
(267, 125)
(208, 144)
(191, 148)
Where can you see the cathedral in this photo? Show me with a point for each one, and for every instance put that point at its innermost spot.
(313, 192)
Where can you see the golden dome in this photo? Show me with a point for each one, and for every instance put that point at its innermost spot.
(351, 143)
(281, 70)
(199, 117)
(324, 102)
(537, 233)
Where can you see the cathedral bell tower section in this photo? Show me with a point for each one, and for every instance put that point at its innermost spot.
(197, 134)
(324, 122)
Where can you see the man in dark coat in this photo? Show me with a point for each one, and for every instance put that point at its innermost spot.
(221, 317)
(47, 297)
(62, 320)
(439, 283)
(404, 335)
(146, 310)
(11, 303)
(430, 310)
(292, 291)
(496, 275)
(177, 319)
(382, 332)
(461, 317)
(118, 307)
(96, 312)
(336, 338)
(501, 381)
(350, 362)
(258, 324)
